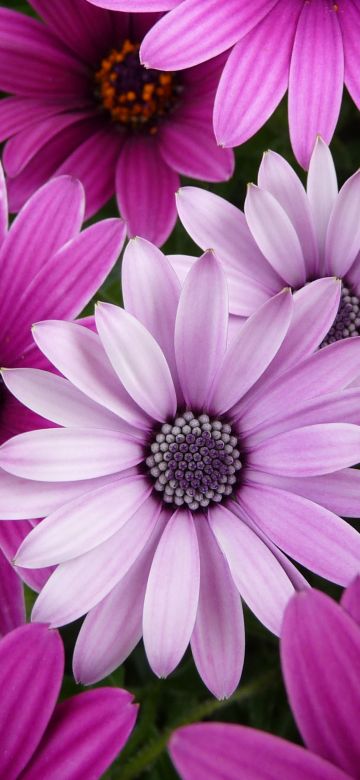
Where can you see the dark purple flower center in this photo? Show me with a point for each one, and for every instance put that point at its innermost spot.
(194, 461)
(347, 320)
(134, 96)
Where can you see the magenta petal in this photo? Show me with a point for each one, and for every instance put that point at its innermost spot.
(350, 599)
(142, 179)
(85, 735)
(51, 70)
(350, 25)
(255, 77)
(3, 207)
(221, 25)
(201, 329)
(94, 162)
(190, 148)
(64, 285)
(222, 751)
(50, 218)
(12, 605)
(31, 669)
(316, 78)
(320, 652)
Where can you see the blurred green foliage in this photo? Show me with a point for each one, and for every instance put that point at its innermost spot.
(261, 699)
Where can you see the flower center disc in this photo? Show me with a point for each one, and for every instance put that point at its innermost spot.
(347, 320)
(194, 461)
(135, 96)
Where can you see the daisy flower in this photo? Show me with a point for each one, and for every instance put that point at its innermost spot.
(188, 467)
(287, 235)
(79, 737)
(310, 49)
(84, 105)
(320, 649)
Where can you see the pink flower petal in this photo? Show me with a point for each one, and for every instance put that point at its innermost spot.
(12, 604)
(350, 26)
(77, 585)
(251, 352)
(223, 751)
(31, 670)
(350, 599)
(221, 25)
(151, 293)
(142, 179)
(170, 610)
(255, 77)
(275, 235)
(316, 78)
(201, 329)
(190, 148)
(66, 454)
(306, 532)
(218, 639)
(279, 178)
(257, 574)
(138, 360)
(320, 651)
(78, 354)
(85, 735)
(307, 451)
(96, 516)
(322, 192)
(342, 244)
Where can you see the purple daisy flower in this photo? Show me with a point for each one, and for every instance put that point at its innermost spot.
(48, 269)
(78, 738)
(84, 105)
(287, 236)
(186, 464)
(320, 649)
(309, 48)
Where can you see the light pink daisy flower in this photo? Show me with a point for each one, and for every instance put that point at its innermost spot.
(82, 104)
(187, 463)
(287, 236)
(40, 738)
(48, 268)
(310, 48)
(320, 648)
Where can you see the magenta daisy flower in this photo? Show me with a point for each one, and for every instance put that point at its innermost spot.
(288, 236)
(79, 737)
(320, 648)
(185, 459)
(310, 48)
(84, 105)
(48, 269)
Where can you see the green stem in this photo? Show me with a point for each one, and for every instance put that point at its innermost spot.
(152, 750)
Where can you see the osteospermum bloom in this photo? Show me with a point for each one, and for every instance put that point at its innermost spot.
(287, 236)
(79, 737)
(186, 464)
(84, 105)
(309, 48)
(320, 649)
(48, 269)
